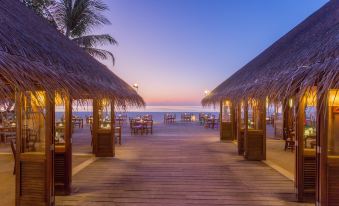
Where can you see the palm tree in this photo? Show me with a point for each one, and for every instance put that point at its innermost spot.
(41, 8)
(77, 18)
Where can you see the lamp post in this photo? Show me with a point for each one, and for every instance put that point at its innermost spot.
(206, 92)
(136, 86)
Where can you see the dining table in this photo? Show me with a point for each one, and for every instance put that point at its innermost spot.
(7, 131)
(78, 121)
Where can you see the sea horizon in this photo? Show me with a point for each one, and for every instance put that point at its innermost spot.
(151, 108)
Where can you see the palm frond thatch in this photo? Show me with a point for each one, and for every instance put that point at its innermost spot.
(35, 56)
(306, 56)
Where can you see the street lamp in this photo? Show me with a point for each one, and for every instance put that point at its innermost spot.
(136, 86)
(206, 92)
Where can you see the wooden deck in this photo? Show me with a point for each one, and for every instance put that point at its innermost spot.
(178, 165)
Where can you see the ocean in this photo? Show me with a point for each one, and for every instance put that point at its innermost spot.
(157, 112)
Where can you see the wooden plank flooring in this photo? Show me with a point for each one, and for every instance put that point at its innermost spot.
(180, 164)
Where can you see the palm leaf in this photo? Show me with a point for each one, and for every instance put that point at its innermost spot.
(100, 53)
(80, 16)
(90, 41)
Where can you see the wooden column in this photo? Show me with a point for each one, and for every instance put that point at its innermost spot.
(285, 118)
(322, 136)
(103, 138)
(299, 177)
(226, 127)
(63, 155)
(328, 149)
(220, 119)
(263, 128)
(245, 125)
(275, 118)
(305, 159)
(95, 125)
(234, 121)
(240, 131)
(255, 139)
(34, 152)
(113, 126)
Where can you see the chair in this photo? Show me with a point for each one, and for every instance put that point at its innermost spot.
(76, 123)
(117, 134)
(14, 154)
(136, 127)
(289, 141)
(216, 123)
(149, 126)
(9, 135)
(91, 129)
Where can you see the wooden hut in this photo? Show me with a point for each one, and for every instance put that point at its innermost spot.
(40, 68)
(300, 68)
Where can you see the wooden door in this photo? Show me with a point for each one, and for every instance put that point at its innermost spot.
(34, 149)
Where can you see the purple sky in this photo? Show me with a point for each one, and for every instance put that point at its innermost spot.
(177, 49)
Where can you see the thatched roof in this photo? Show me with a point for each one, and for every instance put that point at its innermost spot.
(308, 55)
(34, 55)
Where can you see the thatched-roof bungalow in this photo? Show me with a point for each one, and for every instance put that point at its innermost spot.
(34, 52)
(301, 70)
(39, 69)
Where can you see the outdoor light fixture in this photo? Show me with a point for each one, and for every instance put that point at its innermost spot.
(290, 103)
(136, 86)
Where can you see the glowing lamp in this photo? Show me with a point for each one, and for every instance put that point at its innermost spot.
(333, 99)
(290, 102)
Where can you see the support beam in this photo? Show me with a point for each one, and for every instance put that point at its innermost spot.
(63, 153)
(255, 138)
(305, 158)
(34, 149)
(240, 131)
(103, 136)
(226, 121)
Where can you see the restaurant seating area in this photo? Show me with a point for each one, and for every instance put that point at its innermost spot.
(141, 125)
(170, 118)
(120, 119)
(209, 120)
(187, 117)
(7, 126)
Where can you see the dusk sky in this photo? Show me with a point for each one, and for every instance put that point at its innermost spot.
(176, 49)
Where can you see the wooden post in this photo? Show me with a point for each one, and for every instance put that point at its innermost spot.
(113, 126)
(275, 118)
(322, 137)
(300, 117)
(285, 118)
(220, 119)
(34, 162)
(234, 121)
(63, 155)
(95, 125)
(255, 139)
(103, 142)
(18, 113)
(327, 149)
(246, 124)
(240, 132)
(305, 158)
(263, 123)
(226, 128)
